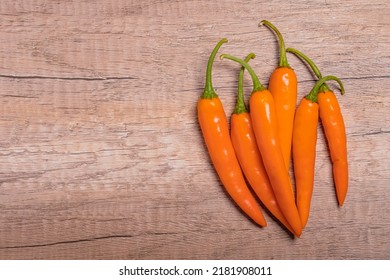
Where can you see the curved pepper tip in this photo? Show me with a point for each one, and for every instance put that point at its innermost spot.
(261, 222)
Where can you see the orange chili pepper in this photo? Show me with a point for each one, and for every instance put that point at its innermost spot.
(333, 123)
(304, 147)
(244, 143)
(284, 87)
(263, 116)
(215, 130)
(334, 127)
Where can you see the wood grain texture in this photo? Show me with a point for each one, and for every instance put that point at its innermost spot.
(101, 155)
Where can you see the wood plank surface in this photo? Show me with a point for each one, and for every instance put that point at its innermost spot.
(101, 155)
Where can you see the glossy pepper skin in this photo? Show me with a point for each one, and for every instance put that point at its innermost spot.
(264, 121)
(304, 147)
(304, 154)
(244, 143)
(334, 127)
(215, 130)
(283, 85)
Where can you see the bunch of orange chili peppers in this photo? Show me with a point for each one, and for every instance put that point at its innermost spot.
(258, 146)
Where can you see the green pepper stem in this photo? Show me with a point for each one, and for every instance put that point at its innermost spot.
(240, 104)
(209, 91)
(305, 58)
(312, 65)
(282, 48)
(313, 95)
(257, 86)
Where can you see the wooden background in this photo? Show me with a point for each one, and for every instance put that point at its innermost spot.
(101, 155)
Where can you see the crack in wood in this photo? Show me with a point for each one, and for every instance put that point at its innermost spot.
(19, 96)
(69, 78)
(370, 133)
(110, 237)
(66, 242)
